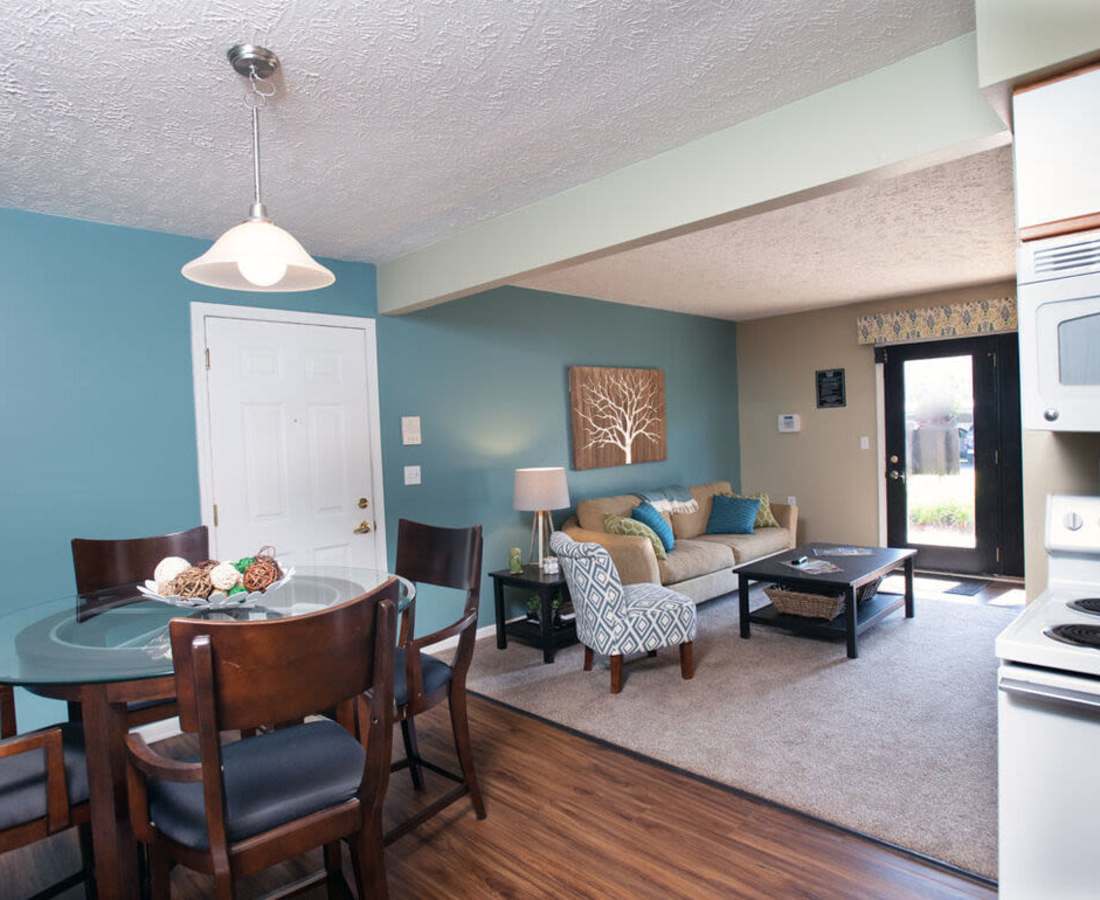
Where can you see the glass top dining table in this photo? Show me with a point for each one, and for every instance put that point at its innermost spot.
(119, 635)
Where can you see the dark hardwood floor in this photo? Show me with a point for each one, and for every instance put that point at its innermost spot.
(570, 817)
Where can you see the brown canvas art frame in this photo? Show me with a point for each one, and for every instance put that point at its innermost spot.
(618, 416)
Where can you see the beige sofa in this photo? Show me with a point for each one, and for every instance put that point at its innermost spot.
(701, 565)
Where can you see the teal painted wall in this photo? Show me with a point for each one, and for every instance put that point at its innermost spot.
(488, 375)
(99, 431)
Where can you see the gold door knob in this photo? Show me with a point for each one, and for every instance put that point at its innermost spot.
(363, 503)
(362, 528)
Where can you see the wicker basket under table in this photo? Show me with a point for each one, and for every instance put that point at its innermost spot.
(814, 606)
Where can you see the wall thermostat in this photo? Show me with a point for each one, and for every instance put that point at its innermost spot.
(790, 422)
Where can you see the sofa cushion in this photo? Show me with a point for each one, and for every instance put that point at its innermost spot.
(591, 513)
(732, 515)
(747, 547)
(691, 559)
(765, 518)
(634, 528)
(690, 525)
(649, 515)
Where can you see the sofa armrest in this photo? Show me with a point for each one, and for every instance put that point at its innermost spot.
(787, 517)
(633, 556)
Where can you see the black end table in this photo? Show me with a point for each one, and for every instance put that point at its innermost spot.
(855, 572)
(541, 634)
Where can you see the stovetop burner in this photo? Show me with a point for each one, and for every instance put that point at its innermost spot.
(1089, 605)
(1078, 635)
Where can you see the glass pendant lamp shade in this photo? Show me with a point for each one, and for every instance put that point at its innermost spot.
(258, 255)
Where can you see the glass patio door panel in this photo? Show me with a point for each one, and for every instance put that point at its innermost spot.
(953, 453)
(939, 455)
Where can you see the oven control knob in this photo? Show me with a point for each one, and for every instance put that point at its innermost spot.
(1073, 521)
(1050, 415)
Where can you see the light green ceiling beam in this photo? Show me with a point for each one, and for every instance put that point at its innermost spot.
(917, 112)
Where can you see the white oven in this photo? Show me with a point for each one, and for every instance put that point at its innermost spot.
(1059, 325)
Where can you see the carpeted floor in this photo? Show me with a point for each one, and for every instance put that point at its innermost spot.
(899, 744)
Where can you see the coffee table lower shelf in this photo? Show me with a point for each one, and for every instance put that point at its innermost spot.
(869, 612)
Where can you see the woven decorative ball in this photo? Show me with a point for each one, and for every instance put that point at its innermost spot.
(169, 567)
(224, 576)
(193, 584)
(263, 573)
(167, 588)
(206, 564)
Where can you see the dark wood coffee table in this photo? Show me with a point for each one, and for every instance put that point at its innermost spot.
(855, 572)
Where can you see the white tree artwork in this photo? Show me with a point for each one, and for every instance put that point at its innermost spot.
(618, 416)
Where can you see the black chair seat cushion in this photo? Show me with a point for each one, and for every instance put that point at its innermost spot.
(435, 673)
(23, 780)
(270, 779)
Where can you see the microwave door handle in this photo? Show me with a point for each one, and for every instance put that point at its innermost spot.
(1046, 692)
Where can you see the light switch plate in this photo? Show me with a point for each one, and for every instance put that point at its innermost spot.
(410, 430)
(864, 442)
(412, 474)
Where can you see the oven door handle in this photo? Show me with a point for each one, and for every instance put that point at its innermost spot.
(1046, 692)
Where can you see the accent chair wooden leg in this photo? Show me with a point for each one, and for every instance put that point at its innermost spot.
(687, 660)
(651, 653)
(616, 673)
(412, 753)
(461, 728)
(588, 659)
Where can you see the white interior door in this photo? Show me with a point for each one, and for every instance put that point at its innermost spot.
(291, 440)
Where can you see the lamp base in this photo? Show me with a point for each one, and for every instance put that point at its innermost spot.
(541, 527)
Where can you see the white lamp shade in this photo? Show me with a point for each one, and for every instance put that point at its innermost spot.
(258, 256)
(538, 489)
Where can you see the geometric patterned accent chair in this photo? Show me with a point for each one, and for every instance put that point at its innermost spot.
(615, 620)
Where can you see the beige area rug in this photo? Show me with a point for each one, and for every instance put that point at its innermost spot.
(899, 744)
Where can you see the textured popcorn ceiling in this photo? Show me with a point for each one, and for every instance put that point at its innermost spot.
(403, 120)
(943, 227)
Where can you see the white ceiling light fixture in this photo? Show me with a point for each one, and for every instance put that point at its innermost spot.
(257, 255)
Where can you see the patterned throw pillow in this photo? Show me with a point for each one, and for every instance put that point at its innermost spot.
(732, 515)
(765, 518)
(613, 524)
(647, 514)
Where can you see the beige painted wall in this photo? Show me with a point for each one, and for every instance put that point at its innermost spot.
(835, 482)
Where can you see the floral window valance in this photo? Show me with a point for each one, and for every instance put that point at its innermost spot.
(938, 322)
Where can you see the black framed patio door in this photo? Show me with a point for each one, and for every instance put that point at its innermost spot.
(953, 468)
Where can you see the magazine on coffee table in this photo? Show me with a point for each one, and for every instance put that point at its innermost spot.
(814, 567)
(843, 551)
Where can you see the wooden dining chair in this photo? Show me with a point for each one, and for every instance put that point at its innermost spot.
(43, 789)
(100, 565)
(250, 804)
(450, 558)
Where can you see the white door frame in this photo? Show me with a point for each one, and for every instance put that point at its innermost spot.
(199, 313)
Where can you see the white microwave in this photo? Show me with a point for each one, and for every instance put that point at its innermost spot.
(1059, 326)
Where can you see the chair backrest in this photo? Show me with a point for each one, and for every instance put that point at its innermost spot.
(106, 564)
(447, 557)
(264, 673)
(594, 583)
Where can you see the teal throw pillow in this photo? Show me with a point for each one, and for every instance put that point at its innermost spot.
(732, 515)
(647, 514)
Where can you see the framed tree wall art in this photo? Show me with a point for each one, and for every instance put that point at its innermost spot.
(618, 416)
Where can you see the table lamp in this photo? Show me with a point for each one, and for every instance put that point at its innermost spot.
(539, 491)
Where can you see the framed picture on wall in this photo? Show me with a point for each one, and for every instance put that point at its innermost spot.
(830, 389)
(618, 416)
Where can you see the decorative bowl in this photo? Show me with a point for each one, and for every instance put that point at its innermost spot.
(218, 599)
